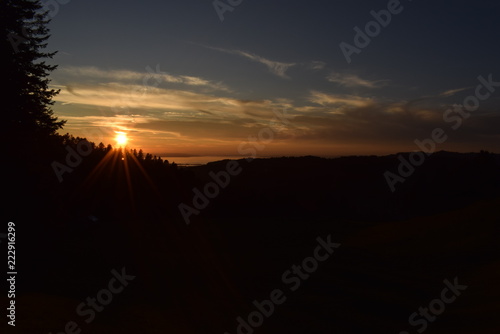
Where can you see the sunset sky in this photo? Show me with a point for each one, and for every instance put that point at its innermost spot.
(177, 79)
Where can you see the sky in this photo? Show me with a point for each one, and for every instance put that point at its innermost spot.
(273, 78)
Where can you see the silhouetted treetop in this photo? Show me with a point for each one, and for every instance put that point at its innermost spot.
(28, 98)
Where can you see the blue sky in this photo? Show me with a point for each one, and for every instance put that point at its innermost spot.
(176, 78)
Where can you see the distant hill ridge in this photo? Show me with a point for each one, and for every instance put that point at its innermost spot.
(355, 186)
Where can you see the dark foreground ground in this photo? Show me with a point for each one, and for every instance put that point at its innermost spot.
(395, 253)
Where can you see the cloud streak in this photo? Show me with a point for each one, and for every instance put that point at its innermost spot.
(94, 74)
(352, 80)
(275, 67)
(122, 99)
(452, 92)
(325, 99)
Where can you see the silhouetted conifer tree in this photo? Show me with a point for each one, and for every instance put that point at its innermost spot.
(28, 99)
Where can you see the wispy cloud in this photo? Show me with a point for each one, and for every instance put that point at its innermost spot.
(452, 92)
(429, 100)
(275, 67)
(353, 80)
(148, 77)
(325, 99)
(317, 65)
(114, 98)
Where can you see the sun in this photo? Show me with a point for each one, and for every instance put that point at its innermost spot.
(121, 138)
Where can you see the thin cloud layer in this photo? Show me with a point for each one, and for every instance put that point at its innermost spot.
(275, 67)
(150, 77)
(352, 80)
(317, 65)
(325, 99)
(452, 92)
(186, 117)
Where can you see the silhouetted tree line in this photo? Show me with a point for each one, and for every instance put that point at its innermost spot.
(353, 188)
